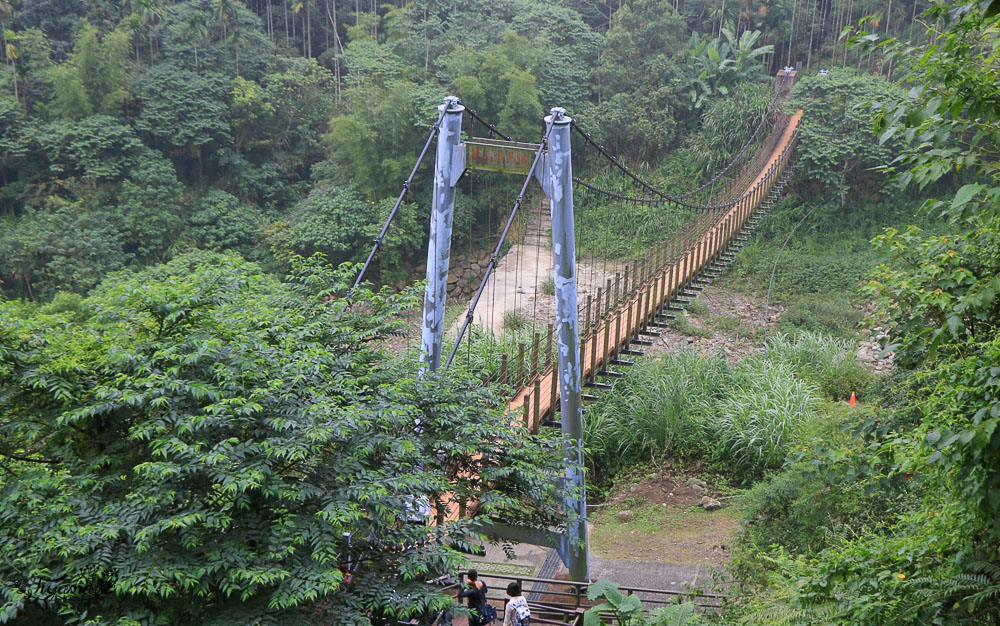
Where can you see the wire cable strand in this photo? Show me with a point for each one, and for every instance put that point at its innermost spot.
(494, 258)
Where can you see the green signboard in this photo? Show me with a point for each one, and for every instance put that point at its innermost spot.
(496, 155)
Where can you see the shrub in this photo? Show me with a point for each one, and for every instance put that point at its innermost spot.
(697, 308)
(826, 361)
(683, 325)
(797, 511)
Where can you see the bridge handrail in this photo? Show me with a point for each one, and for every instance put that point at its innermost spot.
(580, 587)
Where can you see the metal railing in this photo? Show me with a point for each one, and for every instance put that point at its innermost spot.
(575, 597)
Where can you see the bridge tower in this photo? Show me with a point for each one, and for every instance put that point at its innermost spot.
(557, 182)
(449, 164)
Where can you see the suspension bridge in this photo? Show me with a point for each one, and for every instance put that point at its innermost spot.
(590, 280)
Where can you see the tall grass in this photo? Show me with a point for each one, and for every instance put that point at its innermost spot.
(826, 361)
(764, 407)
(657, 410)
(742, 418)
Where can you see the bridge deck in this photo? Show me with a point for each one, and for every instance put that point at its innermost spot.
(539, 398)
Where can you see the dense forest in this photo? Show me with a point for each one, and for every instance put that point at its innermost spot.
(195, 428)
(151, 129)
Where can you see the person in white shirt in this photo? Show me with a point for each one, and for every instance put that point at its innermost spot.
(516, 613)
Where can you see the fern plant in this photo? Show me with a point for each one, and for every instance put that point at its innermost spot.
(973, 594)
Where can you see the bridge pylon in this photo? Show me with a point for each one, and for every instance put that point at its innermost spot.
(449, 163)
(556, 179)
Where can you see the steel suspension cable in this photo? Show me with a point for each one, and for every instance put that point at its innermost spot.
(663, 198)
(492, 127)
(399, 201)
(495, 257)
(663, 195)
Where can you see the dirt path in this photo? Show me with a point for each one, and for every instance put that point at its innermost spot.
(660, 520)
(518, 282)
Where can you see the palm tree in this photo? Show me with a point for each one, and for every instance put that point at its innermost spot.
(224, 11)
(9, 50)
(147, 13)
(196, 29)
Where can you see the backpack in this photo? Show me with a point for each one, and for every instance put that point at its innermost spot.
(522, 614)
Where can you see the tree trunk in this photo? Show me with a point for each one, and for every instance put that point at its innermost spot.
(338, 48)
(285, 4)
(13, 68)
(812, 31)
(847, 21)
(270, 23)
(791, 33)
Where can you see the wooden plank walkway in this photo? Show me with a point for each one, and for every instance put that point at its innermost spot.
(538, 399)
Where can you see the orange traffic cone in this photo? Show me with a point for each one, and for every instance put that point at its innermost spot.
(852, 401)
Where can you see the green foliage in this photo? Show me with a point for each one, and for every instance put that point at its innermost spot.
(939, 289)
(646, 37)
(828, 313)
(522, 114)
(332, 220)
(219, 221)
(683, 325)
(745, 418)
(835, 150)
(728, 122)
(755, 424)
(514, 321)
(800, 510)
(638, 107)
(627, 609)
(715, 67)
(963, 439)
(182, 112)
(807, 266)
(195, 450)
(606, 231)
(95, 77)
(58, 246)
(656, 411)
(94, 148)
(826, 361)
(149, 213)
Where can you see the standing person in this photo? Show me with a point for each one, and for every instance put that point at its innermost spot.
(517, 612)
(476, 593)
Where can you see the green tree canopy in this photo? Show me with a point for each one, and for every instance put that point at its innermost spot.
(183, 112)
(59, 245)
(194, 450)
(835, 148)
